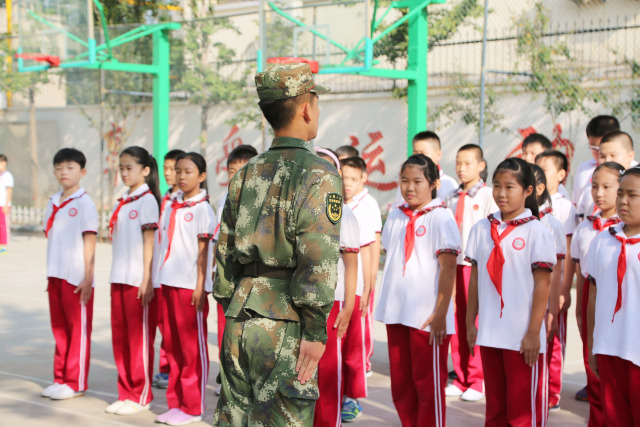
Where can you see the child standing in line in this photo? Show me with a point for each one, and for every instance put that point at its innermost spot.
(70, 225)
(133, 304)
(604, 188)
(428, 144)
(613, 316)
(329, 405)
(535, 144)
(420, 237)
(509, 293)
(161, 379)
(345, 151)
(186, 277)
(470, 202)
(6, 194)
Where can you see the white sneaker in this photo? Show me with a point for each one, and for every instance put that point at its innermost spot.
(369, 373)
(218, 389)
(65, 392)
(111, 409)
(130, 407)
(181, 419)
(452, 391)
(471, 395)
(47, 392)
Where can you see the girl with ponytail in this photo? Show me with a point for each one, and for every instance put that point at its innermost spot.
(508, 294)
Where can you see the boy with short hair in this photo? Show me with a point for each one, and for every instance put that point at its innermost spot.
(355, 349)
(428, 143)
(555, 164)
(347, 151)
(6, 194)
(471, 202)
(535, 144)
(70, 225)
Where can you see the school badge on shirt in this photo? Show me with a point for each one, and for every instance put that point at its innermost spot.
(334, 207)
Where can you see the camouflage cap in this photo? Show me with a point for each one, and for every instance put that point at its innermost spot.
(286, 81)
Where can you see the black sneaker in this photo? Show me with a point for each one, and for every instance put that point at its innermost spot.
(582, 395)
(453, 375)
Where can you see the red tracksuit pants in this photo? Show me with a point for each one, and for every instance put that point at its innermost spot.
(620, 387)
(4, 228)
(164, 361)
(596, 411)
(222, 321)
(354, 376)
(516, 393)
(329, 405)
(418, 376)
(368, 333)
(71, 324)
(186, 335)
(133, 331)
(468, 368)
(555, 360)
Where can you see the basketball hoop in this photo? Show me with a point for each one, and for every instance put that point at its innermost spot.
(293, 60)
(53, 61)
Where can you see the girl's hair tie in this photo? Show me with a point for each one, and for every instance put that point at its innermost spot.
(330, 154)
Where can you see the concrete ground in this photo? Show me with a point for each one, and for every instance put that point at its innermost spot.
(27, 346)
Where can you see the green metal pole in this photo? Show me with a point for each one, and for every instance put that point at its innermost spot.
(161, 101)
(417, 85)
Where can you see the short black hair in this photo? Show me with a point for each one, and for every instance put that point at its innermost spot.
(558, 157)
(348, 151)
(540, 139)
(425, 135)
(428, 168)
(354, 162)
(70, 155)
(601, 125)
(174, 154)
(242, 153)
(280, 112)
(3, 158)
(623, 137)
(473, 147)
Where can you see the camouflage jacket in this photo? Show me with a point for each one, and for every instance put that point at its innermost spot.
(282, 211)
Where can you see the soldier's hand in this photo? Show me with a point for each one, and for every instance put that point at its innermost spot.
(310, 354)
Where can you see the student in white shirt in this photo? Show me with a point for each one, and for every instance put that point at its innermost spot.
(133, 304)
(186, 276)
(161, 379)
(6, 194)
(428, 143)
(70, 225)
(422, 243)
(604, 186)
(613, 315)
(509, 293)
(535, 144)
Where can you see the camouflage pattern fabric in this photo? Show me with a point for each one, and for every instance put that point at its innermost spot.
(286, 81)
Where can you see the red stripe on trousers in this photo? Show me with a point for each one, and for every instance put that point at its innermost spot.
(415, 377)
(555, 359)
(620, 383)
(354, 377)
(596, 411)
(4, 228)
(467, 367)
(188, 358)
(222, 321)
(510, 389)
(329, 405)
(164, 361)
(73, 351)
(368, 333)
(133, 359)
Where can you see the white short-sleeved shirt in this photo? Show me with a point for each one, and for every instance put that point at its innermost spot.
(194, 222)
(221, 203)
(557, 230)
(526, 247)
(620, 336)
(127, 265)
(408, 293)
(65, 244)
(6, 181)
(582, 179)
(563, 191)
(583, 238)
(165, 204)
(563, 211)
(349, 242)
(478, 204)
(369, 219)
(447, 186)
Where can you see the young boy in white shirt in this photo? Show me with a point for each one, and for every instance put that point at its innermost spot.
(428, 144)
(6, 194)
(535, 144)
(70, 225)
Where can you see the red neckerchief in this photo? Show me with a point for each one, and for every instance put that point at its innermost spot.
(172, 221)
(55, 211)
(599, 226)
(461, 196)
(496, 260)
(121, 202)
(166, 197)
(410, 234)
(622, 265)
(546, 211)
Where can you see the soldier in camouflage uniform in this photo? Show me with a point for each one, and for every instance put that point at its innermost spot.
(277, 263)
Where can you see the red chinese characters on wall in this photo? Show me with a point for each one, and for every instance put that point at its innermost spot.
(372, 155)
(558, 142)
(228, 144)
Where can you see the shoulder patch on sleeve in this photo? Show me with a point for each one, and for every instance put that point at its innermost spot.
(334, 207)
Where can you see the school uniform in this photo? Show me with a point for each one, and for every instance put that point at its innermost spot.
(468, 207)
(583, 237)
(222, 320)
(369, 217)
(71, 321)
(584, 204)
(133, 327)
(6, 181)
(329, 405)
(186, 329)
(447, 185)
(516, 394)
(582, 179)
(413, 240)
(612, 264)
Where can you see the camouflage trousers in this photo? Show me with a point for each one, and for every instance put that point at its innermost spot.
(259, 379)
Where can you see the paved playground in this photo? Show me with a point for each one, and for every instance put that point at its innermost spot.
(26, 355)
